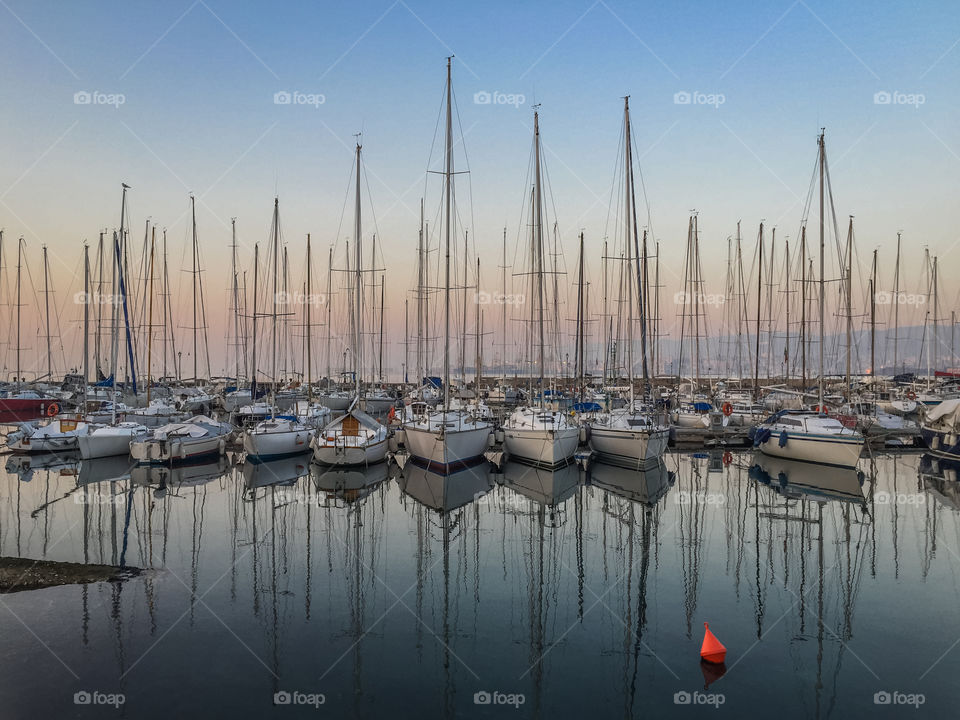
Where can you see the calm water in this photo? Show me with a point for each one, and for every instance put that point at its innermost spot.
(567, 594)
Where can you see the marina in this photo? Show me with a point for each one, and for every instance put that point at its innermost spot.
(435, 361)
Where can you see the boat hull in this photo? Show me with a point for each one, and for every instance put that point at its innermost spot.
(100, 446)
(548, 448)
(339, 454)
(633, 447)
(272, 445)
(819, 449)
(162, 452)
(450, 450)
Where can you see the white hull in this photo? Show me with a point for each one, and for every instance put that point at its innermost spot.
(276, 444)
(101, 446)
(638, 447)
(378, 405)
(449, 449)
(176, 450)
(336, 403)
(543, 447)
(840, 451)
(339, 454)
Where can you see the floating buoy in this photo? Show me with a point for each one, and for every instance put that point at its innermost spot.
(712, 650)
(727, 409)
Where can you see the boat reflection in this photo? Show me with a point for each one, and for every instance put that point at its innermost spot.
(108, 469)
(550, 489)
(445, 493)
(348, 484)
(24, 466)
(647, 486)
(798, 480)
(939, 478)
(179, 476)
(285, 471)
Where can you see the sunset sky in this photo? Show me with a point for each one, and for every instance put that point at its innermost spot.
(727, 102)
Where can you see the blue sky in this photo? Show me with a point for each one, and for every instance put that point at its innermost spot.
(198, 81)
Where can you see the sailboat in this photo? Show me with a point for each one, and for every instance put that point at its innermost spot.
(279, 435)
(630, 435)
(354, 438)
(538, 433)
(447, 439)
(811, 436)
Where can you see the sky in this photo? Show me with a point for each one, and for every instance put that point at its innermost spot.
(727, 100)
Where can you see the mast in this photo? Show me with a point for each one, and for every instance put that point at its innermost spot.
(896, 306)
(479, 358)
(936, 315)
(849, 285)
(329, 310)
(580, 321)
(193, 223)
(641, 258)
(380, 360)
(786, 347)
(873, 315)
(96, 342)
(19, 377)
(448, 180)
(273, 328)
(86, 319)
(503, 313)
(820, 381)
(236, 296)
(309, 338)
(406, 340)
(756, 354)
(538, 244)
(253, 334)
(803, 307)
(46, 302)
(421, 300)
(357, 286)
(153, 238)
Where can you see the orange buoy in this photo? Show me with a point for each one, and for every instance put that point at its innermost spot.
(712, 650)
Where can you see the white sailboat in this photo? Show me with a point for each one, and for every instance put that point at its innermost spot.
(279, 435)
(354, 438)
(538, 433)
(805, 435)
(447, 439)
(628, 435)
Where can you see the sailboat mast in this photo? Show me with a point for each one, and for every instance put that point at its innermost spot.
(86, 319)
(380, 359)
(936, 315)
(329, 311)
(803, 307)
(448, 180)
(786, 346)
(273, 328)
(896, 306)
(873, 315)
(193, 224)
(153, 239)
(479, 335)
(631, 220)
(538, 244)
(822, 268)
(848, 287)
(18, 377)
(756, 353)
(357, 285)
(309, 340)
(253, 333)
(236, 297)
(46, 302)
